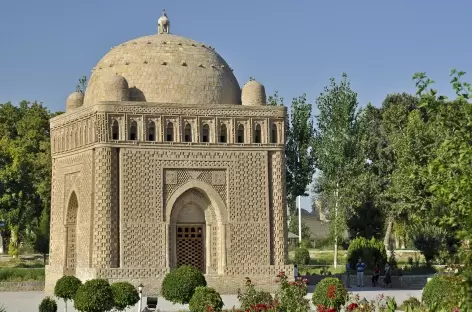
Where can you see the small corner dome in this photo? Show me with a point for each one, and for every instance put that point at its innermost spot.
(118, 82)
(113, 87)
(253, 94)
(75, 100)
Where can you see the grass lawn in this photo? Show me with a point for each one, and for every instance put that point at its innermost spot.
(21, 269)
(322, 261)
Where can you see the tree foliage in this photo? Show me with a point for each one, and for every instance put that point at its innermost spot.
(299, 155)
(25, 168)
(41, 243)
(125, 295)
(366, 221)
(95, 295)
(337, 154)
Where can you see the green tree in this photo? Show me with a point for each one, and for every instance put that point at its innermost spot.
(66, 288)
(299, 155)
(293, 228)
(25, 167)
(41, 243)
(449, 170)
(337, 153)
(82, 85)
(399, 166)
(275, 100)
(367, 221)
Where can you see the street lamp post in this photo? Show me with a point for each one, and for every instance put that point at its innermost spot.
(299, 212)
(140, 304)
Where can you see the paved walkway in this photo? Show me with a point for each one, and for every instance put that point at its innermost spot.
(29, 301)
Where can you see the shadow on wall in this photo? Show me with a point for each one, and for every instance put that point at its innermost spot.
(136, 94)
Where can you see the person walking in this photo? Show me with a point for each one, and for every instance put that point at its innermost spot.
(360, 267)
(375, 276)
(348, 273)
(388, 276)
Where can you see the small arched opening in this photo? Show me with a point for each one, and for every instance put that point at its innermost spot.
(205, 133)
(257, 134)
(151, 135)
(223, 134)
(133, 131)
(273, 136)
(169, 132)
(115, 134)
(188, 133)
(71, 233)
(240, 135)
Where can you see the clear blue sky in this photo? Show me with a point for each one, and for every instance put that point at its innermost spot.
(290, 46)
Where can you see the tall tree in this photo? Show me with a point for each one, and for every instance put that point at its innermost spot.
(24, 167)
(299, 155)
(450, 167)
(336, 148)
(394, 158)
(41, 243)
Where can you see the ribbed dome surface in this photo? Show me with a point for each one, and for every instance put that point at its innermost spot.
(253, 94)
(75, 100)
(166, 68)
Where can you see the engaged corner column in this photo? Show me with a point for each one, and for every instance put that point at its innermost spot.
(105, 212)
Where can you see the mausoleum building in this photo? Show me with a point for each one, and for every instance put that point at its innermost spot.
(165, 161)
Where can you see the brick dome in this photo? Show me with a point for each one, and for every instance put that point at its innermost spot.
(166, 68)
(253, 94)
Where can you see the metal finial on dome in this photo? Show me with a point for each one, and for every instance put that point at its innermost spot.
(163, 23)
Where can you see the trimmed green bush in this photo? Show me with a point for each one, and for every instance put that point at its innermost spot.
(66, 288)
(205, 297)
(443, 290)
(302, 256)
(370, 251)
(327, 287)
(48, 305)
(94, 296)
(179, 285)
(125, 295)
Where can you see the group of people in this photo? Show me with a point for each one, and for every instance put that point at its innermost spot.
(361, 266)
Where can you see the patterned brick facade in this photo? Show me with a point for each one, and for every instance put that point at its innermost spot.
(135, 183)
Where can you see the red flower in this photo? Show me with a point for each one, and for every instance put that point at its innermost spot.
(331, 291)
(352, 306)
(331, 310)
(320, 308)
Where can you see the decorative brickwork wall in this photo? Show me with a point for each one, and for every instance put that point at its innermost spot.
(131, 194)
(105, 217)
(70, 175)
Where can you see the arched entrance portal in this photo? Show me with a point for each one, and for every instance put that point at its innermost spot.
(190, 233)
(197, 225)
(71, 237)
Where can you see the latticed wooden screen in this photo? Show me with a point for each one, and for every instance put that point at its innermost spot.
(190, 245)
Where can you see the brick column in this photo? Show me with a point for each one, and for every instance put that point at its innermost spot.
(105, 214)
(279, 212)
